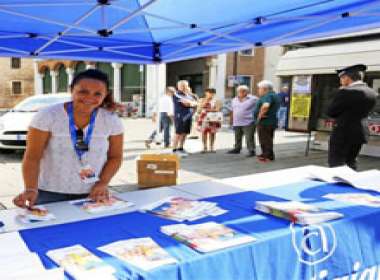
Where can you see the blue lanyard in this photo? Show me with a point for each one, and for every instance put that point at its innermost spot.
(73, 133)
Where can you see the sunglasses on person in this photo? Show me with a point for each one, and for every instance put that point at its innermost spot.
(80, 144)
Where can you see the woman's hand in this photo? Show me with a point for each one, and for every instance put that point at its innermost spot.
(185, 103)
(26, 199)
(99, 192)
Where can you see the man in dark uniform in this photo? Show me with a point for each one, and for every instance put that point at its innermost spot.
(350, 108)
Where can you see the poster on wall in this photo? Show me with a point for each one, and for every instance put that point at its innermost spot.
(300, 103)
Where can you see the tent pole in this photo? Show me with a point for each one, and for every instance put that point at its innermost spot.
(186, 25)
(60, 34)
(44, 20)
(205, 42)
(132, 15)
(14, 50)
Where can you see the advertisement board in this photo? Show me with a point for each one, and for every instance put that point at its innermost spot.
(300, 103)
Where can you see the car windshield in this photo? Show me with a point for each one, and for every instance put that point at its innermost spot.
(35, 104)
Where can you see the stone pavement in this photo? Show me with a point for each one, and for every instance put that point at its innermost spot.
(289, 148)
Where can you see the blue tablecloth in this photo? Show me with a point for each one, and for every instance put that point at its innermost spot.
(279, 253)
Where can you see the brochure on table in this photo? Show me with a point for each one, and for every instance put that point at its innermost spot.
(34, 214)
(93, 207)
(182, 209)
(143, 253)
(365, 180)
(207, 237)
(81, 264)
(297, 212)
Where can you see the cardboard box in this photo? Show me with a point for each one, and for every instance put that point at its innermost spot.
(155, 170)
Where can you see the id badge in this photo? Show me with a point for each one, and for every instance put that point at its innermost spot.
(88, 175)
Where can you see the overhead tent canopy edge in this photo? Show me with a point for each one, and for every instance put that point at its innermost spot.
(155, 31)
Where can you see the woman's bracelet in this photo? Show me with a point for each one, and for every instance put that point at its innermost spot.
(31, 190)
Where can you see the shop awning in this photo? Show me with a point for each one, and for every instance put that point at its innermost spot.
(153, 31)
(326, 59)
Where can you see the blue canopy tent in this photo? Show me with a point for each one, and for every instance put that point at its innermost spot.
(153, 31)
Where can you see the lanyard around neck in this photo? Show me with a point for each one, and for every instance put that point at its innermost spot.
(73, 133)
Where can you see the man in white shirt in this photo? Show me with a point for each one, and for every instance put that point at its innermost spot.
(166, 112)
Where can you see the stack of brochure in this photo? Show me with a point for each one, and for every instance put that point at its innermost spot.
(364, 199)
(297, 212)
(17, 262)
(81, 264)
(91, 206)
(182, 209)
(143, 253)
(365, 180)
(35, 214)
(206, 237)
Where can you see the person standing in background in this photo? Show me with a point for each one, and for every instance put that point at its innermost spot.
(184, 105)
(208, 108)
(242, 120)
(166, 115)
(166, 111)
(266, 119)
(350, 108)
(282, 114)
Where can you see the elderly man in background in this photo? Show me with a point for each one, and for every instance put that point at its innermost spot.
(266, 119)
(243, 121)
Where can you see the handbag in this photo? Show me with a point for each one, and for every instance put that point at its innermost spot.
(214, 117)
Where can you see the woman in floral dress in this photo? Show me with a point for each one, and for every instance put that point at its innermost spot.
(209, 120)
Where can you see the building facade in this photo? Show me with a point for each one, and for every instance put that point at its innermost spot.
(223, 72)
(16, 81)
(127, 82)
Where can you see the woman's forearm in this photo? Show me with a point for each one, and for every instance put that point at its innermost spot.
(30, 172)
(109, 170)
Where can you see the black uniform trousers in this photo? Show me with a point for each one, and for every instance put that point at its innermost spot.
(343, 152)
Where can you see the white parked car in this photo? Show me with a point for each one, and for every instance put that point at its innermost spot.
(14, 124)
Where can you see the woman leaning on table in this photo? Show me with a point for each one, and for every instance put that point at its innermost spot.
(73, 148)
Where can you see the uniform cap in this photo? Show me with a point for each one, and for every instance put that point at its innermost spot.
(351, 69)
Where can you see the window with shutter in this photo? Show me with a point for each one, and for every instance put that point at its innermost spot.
(16, 87)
